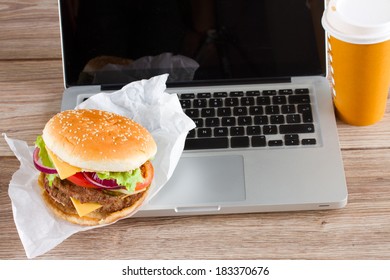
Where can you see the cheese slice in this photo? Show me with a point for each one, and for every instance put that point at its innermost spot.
(64, 169)
(84, 208)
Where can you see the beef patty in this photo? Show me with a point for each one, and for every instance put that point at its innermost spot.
(62, 190)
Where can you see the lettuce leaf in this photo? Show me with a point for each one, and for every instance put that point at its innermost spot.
(45, 158)
(126, 179)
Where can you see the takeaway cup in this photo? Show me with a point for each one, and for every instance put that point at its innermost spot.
(359, 58)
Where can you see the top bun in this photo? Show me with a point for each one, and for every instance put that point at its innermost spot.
(96, 140)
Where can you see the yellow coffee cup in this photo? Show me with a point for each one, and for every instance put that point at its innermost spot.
(359, 58)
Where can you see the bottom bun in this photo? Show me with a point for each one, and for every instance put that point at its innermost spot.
(93, 218)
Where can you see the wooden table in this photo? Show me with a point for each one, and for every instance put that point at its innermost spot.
(31, 88)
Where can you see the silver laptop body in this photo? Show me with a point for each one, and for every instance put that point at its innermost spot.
(276, 176)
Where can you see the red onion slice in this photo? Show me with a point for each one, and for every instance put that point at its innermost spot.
(41, 167)
(93, 178)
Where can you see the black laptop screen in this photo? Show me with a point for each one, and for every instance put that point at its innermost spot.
(117, 41)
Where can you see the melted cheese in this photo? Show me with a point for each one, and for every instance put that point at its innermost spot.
(64, 169)
(84, 208)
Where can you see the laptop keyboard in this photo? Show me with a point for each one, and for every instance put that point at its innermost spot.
(243, 119)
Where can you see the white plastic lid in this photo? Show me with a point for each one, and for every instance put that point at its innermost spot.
(358, 21)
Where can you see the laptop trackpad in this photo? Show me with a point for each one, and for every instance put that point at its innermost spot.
(204, 180)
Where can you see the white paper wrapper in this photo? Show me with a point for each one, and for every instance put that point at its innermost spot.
(144, 101)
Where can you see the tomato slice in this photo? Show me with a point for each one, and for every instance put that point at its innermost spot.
(79, 179)
(147, 172)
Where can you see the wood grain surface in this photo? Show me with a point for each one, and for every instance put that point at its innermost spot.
(31, 87)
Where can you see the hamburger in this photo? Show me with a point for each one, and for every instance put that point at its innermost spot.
(95, 166)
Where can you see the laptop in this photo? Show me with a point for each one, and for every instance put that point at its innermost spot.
(252, 76)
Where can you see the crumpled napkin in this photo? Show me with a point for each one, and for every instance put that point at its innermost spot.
(144, 101)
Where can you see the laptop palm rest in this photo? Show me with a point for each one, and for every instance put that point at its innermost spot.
(203, 183)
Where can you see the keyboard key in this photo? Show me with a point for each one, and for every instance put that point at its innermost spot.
(187, 96)
(288, 109)
(228, 121)
(263, 100)
(307, 117)
(224, 111)
(277, 119)
(303, 108)
(274, 143)
(239, 142)
(296, 128)
(245, 120)
(215, 102)
(220, 131)
(253, 130)
(207, 112)
(236, 93)
(253, 93)
(200, 103)
(192, 113)
(285, 91)
(247, 101)
(206, 143)
(191, 133)
(240, 111)
(260, 120)
(295, 118)
(203, 95)
(256, 110)
(269, 92)
(272, 110)
(212, 122)
(185, 103)
(231, 102)
(258, 141)
(279, 100)
(291, 139)
(237, 131)
(309, 141)
(301, 91)
(198, 122)
(220, 94)
(299, 99)
(203, 132)
(270, 129)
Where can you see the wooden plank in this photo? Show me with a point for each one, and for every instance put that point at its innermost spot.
(361, 230)
(29, 30)
(31, 93)
(366, 137)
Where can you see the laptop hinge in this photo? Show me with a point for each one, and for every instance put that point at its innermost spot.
(110, 87)
(232, 82)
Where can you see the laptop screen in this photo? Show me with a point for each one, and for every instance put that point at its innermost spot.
(195, 41)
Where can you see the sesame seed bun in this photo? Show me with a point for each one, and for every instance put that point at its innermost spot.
(97, 140)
